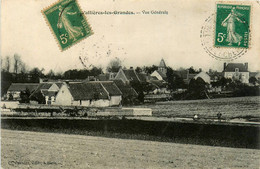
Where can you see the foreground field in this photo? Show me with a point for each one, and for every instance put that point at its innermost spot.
(238, 107)
(22, 149)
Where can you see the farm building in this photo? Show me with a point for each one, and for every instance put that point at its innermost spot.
(204, 76)
(94, 94)
(46, 92)
(14, 91)
(237, 71)
(115, 95)
(128, 93)
(129, 75)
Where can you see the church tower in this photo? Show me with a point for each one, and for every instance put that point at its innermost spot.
(162, 67)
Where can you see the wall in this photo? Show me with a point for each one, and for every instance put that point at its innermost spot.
(64, 97)
(115, 100)
(242, 76)
(121, 75)
(9, 104)
(156, 74)
(16, 94)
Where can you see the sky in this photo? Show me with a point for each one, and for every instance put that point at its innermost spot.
(137, 40)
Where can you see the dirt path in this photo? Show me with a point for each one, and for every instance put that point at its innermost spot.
(22, 149)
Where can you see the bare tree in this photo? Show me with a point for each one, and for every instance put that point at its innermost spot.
(17, 62)
(7, 63)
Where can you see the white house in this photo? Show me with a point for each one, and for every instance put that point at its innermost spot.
(93, 94)
(237, 71)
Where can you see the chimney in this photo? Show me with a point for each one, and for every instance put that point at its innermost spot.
(200, 70)
(246, 66)
(225, 64)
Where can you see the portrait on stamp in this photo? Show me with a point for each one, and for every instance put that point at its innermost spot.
(232, 25)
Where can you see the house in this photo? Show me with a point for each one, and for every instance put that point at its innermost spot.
(106, 76)
(47, 90)
(14, 91)
(158, 87)
(128, 93)
(215, 76)
(236, 71)
(204, 76)
(114, 93)
(160, 74)
(128, 75)
(82, 94)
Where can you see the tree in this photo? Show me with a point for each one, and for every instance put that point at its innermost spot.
(17, 62)
(252, 80)
(174, 80)
(150, 69)
(50, 74)
(24, 95)
(7, 63)
(197, 89)
(138, 69)
(114, 65)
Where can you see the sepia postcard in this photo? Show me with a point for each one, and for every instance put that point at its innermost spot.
(130, 84)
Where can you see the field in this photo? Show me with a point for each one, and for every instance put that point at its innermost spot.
(238, 107)
(22, 149)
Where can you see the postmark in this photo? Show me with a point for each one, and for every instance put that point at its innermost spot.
(67, 23)
(232, 25)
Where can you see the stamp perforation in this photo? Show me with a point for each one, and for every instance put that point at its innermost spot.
(52, 31)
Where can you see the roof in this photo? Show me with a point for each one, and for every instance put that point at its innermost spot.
(130, 74)
(125, 88)
(232, 66)
(159, 83)
(42, 87)
(49, 93)
(162, 64)
(142, 77)
(163, 75)
(204, 76)
(110, 87)
(23, 86)
(59, 84)
(182, 73)
(87, 91)
(103, 77)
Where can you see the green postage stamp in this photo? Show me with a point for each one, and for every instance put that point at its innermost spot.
(67, 22)
(232, 25)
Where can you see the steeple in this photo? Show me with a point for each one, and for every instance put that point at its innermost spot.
(162, 67)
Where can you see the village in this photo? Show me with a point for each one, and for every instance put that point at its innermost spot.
(135, 86)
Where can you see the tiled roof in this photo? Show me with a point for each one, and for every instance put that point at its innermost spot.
(49, 93)
(41, 87)
(231, 67)
(87, 91)
(130, 74)
(159, 83)
(142, 77)
(23, 86)
(110, 87)
(126, 89)
(163, 75)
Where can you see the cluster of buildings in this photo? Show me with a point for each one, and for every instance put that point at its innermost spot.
(110, 89)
